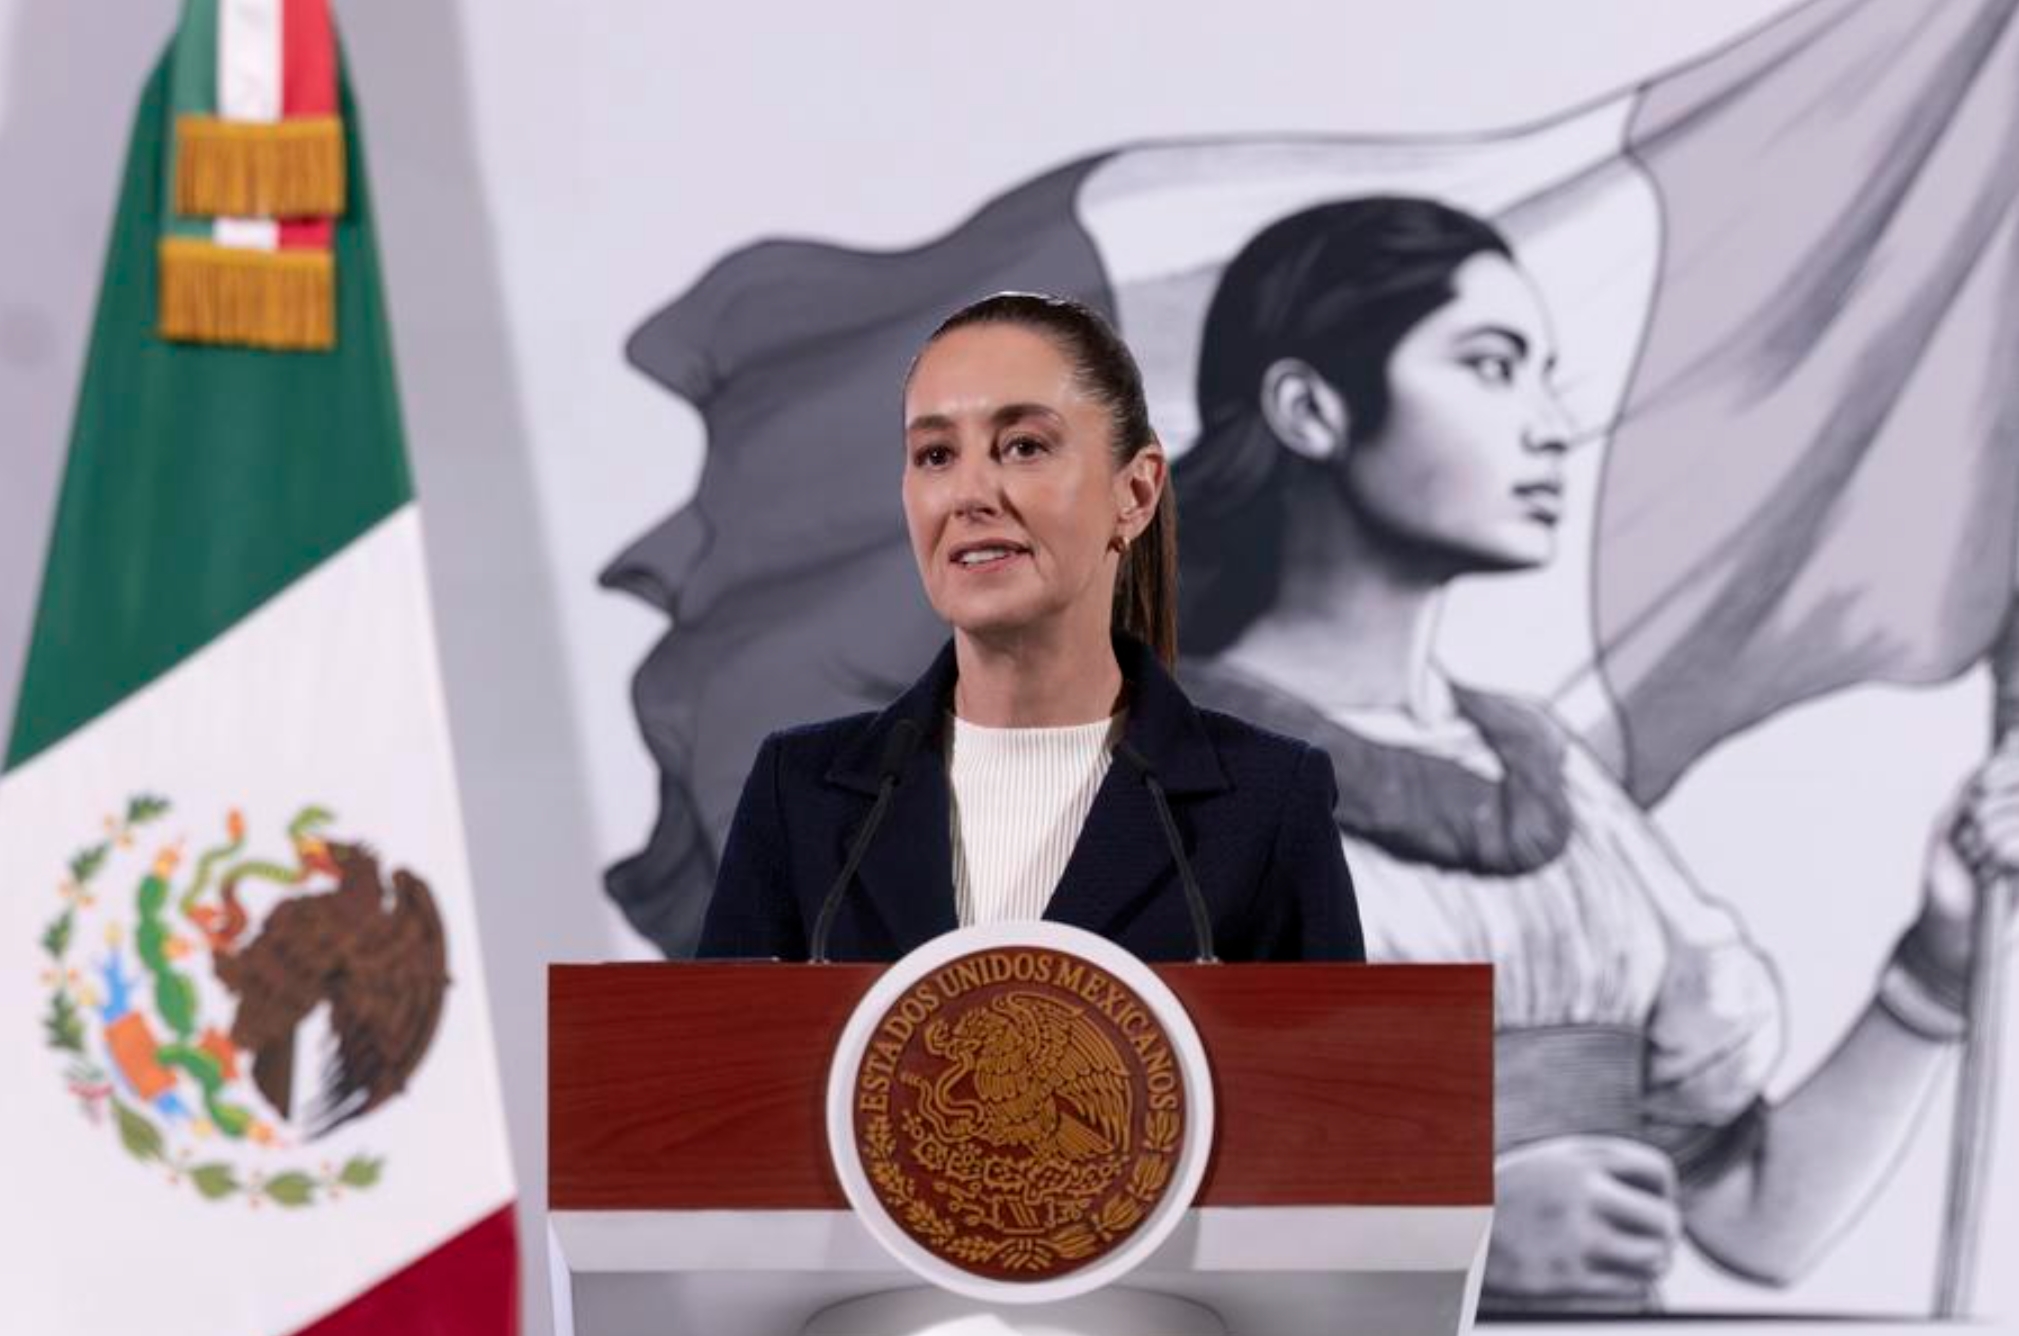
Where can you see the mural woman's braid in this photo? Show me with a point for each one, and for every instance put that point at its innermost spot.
(1146, 587)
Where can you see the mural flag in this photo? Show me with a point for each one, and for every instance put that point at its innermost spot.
(250, 1072)
(1815, 480)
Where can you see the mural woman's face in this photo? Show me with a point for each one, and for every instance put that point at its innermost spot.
(1011, 495)
(1467, 469)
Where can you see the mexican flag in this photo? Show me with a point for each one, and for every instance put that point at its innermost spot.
(249, 1073)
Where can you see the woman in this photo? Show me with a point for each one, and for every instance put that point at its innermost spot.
(1035, 499)
(1378, 420)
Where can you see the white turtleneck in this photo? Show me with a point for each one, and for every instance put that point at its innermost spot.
(1020, 796)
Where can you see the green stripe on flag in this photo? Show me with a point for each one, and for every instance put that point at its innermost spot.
(201, 480)
(192, 80)
(192, 91)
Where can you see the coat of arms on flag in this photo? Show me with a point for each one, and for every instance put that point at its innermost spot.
(186, 1023)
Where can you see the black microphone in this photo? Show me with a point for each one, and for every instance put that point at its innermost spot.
(1202, 923)
(897, 750)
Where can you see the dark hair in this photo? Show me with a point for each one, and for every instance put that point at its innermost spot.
(1337, 287)
(1146, 587)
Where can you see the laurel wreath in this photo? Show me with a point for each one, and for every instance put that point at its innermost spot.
(93, 1086)
(1073, 1241)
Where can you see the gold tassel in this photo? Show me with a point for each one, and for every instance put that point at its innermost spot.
(259, 169)
(283, 300)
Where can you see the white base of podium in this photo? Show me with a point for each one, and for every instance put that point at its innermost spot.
(1113, 1312)
(1266, 1271)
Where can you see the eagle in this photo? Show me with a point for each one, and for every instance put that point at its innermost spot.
(377, 957)
(1029, 1072)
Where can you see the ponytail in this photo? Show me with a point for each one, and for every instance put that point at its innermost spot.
(1146, 587)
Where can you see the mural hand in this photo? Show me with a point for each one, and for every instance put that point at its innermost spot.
(1582, 1215)
(1975, 852)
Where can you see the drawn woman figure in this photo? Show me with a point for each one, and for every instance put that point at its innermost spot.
(1378, 420)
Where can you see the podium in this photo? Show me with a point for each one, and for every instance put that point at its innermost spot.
(690, 1188)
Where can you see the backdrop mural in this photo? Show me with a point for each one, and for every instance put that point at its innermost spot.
(1749, 553)
(1702, 400)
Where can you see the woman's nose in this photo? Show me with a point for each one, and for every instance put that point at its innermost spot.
(974, 486)
(1550, 430)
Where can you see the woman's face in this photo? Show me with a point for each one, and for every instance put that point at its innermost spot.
(1467, 469)
(1011, 495)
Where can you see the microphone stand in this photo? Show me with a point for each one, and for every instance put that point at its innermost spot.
(896, 752)
(1202, 923)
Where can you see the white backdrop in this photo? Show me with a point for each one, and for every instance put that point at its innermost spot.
(548, 174)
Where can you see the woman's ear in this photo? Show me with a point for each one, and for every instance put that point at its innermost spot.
(1139, 486)
(1306, 414)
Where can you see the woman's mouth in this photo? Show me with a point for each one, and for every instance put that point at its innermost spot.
(1541, 501)
(980, 558)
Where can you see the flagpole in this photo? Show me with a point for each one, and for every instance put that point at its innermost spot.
(1977, 1086)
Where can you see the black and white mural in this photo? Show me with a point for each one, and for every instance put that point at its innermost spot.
(1527, 473)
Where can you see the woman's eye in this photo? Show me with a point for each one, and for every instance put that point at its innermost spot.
(931, 456)
(1023, 447)
(1492, 368)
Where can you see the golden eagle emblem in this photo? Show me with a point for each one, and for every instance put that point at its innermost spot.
(1019, 1113)
(1030, 1072)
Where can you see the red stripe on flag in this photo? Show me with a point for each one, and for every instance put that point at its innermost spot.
(308, 87)
(307, 233)
(467, 1287)
(308, 82)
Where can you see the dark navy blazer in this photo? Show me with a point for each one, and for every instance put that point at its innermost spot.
(1253, 808)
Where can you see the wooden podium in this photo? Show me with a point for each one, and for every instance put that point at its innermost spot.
(690, 1188)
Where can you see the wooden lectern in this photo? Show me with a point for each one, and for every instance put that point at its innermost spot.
(690, 1189)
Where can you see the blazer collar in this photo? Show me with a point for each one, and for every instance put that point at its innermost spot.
(1121, 853)
(1163, 726)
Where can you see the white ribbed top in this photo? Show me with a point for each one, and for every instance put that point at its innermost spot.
(1020, 796)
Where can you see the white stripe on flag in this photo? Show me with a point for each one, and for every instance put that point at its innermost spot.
(248, 60)
(246, 233)
(249, 67)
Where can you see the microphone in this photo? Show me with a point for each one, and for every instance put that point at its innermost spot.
(897, 750)
(1202, 924)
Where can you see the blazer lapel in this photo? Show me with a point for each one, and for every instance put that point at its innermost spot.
(906, 874)
(1122, 853)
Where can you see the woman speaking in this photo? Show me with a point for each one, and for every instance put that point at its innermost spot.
(1046, 765)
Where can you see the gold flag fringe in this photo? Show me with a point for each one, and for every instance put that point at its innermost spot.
(259, 169)
(283, 300)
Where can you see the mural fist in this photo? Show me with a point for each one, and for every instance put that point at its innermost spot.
(1975, 852)
(1582, 1216)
